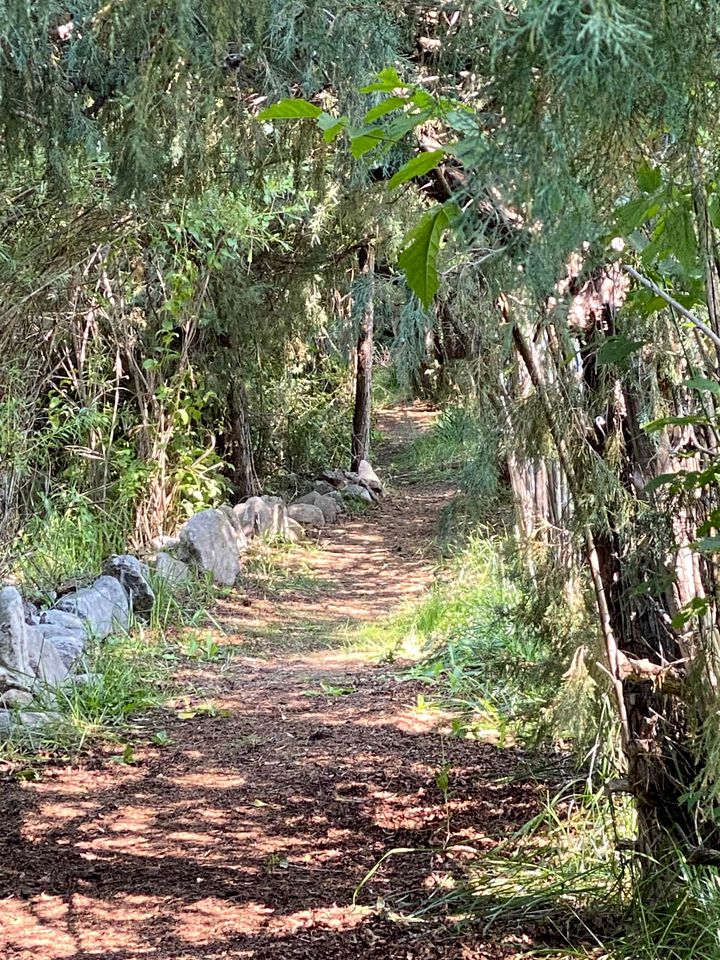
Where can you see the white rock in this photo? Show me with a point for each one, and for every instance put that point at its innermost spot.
(69, 644)
(133, 576)
(103, 607)
(45, 661)
(15, 669)
(369, 477)
(212, 541)
(307, 515)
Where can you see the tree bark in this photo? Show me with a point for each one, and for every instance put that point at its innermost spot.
(363, 377)
(244, 478)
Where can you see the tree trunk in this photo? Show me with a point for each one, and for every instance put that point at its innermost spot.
(244, 477)
(363, 377)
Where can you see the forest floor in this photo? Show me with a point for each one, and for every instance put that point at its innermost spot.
(289, 764)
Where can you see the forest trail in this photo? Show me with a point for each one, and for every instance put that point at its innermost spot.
(246, 834)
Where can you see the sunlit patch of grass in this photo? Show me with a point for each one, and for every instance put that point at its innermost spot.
(275, 567)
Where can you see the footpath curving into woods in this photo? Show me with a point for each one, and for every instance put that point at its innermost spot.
(248, 832)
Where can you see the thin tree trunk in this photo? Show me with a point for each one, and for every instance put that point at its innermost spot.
(244, 477)
(363, 377)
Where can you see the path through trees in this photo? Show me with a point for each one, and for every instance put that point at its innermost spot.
(247, 832)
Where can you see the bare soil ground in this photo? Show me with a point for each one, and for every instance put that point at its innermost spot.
(249, 832)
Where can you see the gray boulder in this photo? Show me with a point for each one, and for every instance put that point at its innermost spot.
(359, 492)
(255, 517)
(135, 578)
(69, 644)
(103, 607)
(173, 571)
(368, 477)
(212, 542)
(62, 620)
(15, 669)
(45, 661)
(327, 505)
(263, 516)
(278, 515)
(307, 515)
(236, 522)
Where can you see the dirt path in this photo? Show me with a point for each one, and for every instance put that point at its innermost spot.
(247, 834)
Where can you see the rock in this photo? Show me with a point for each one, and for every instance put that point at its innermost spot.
(352, 477)
(359, 492)
(327, 505)
(324, 488)
(103, 607)
(15, 669)
(236, 523)
(278, 515)
(337, 498)
(12, 699)
(336, 478)
(69, 644)
(45, 661)
(69, 649)
(163, 543)
(295, 531)
(307, 515)
(263, 516)
(368, 477)
(255, 517)
(32, 613)
(212, 541)
(174, 571)
(11, 720)
(64, 621)
(135, 578)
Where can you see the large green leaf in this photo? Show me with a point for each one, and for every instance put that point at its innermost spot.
(290, 109)
(388, 80)
(419, 257)
(617, 350)
(703, 384)
(416, 167)
(387, 106)
(331, 126)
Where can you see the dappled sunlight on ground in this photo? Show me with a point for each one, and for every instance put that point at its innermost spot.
(256, 825)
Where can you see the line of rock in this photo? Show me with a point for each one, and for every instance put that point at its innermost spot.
(40, 650)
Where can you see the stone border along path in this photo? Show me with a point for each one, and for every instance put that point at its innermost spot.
(40, 650)
(248, 831)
